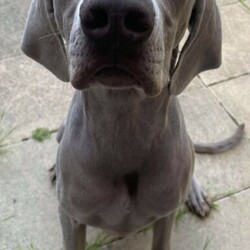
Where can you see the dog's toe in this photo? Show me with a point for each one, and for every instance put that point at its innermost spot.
(198, 201)
(52, 174)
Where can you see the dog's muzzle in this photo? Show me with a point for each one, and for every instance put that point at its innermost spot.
(115, 34)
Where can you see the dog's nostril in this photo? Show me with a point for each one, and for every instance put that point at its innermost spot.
(121, 22)
(95, 19)
(136, 22)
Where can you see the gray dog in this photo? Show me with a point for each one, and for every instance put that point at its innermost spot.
(125, 159)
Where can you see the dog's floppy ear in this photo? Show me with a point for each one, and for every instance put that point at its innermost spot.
(42, 41)
(202, 50)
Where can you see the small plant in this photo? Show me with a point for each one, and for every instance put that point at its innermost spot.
(41, 134)
(214, 205)
(4, 135)
(30, 247)
(145, 229)
(104, 240)
(227, 194)
(181, 212)
(7, 218)
(243, 2)
(100, 241)
(208, 241)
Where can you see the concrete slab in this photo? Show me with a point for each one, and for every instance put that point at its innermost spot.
(29, 208)
(194, 85)
(207, 121)
(226, 2)
(28, 211)
(236, 46)
(227, 228)
(235, 97)
(31, 97)
(224, 173)
(12, 19)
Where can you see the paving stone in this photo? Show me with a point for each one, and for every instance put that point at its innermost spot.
(28, 211)
(236, 46)
(12, 21)
(235, 96)
(225, 229)
(226, 2)
(194, 85)
(31, 97)
(207, 121)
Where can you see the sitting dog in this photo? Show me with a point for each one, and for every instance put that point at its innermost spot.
(125, 159)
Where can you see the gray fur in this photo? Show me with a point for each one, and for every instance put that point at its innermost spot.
(125, 158)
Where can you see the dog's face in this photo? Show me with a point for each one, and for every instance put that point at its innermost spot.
(117, 59)
(124, 43)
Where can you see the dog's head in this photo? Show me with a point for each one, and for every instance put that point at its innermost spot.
(124, 43)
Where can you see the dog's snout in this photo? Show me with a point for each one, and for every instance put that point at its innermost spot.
(127, 21)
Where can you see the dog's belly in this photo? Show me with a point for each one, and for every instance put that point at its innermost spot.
(109, 204)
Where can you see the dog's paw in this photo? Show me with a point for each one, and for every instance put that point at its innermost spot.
(197, 200)
(52, 174)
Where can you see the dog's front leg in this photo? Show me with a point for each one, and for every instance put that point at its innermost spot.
(74, 234)
(162, 233)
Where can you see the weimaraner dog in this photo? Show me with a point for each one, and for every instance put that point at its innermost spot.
(125, 159)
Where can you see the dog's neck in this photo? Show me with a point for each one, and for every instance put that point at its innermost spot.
(128, 108)
(120, 120)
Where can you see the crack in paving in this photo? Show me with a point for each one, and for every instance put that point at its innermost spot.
(224, 107)
(231, 194)
(229, 114)
(23, 140)
(245, 5)
(228, 79)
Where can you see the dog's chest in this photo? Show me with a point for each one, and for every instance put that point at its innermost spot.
(121, 198)
(122, 175)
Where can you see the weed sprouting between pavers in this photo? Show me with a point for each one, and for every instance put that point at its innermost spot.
(41, 134)
(30, 247)
(4, 134)
(207, 242)
(244, 3)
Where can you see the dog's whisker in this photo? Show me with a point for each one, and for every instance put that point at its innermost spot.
(49, 35)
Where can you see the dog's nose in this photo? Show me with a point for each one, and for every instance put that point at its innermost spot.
(127, 21)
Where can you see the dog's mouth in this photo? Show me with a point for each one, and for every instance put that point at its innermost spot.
(116, 77)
